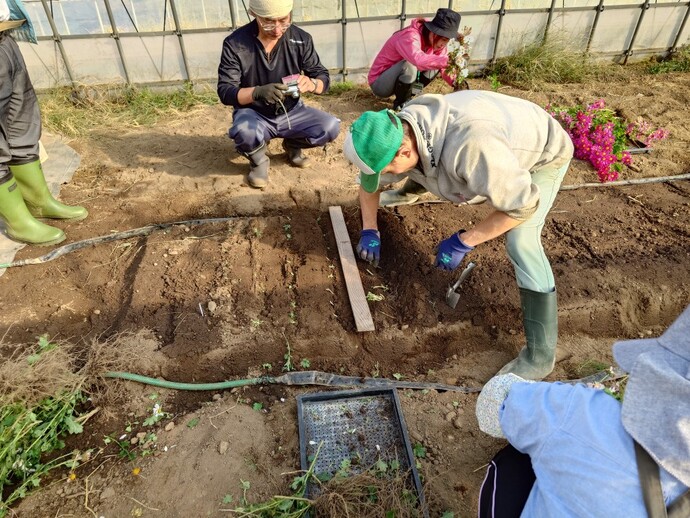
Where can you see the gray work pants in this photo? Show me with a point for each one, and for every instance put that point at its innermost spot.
(20, 117)
(402, 71)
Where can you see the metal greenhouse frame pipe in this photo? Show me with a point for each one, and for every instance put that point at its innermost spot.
(116, 36)
(403, 14)
(180, 38)
(600, 9)
(501, 13)
(629, 51)
(58, 40)
(343, 25)
(674, 47)
(548, 20)
(233, 15)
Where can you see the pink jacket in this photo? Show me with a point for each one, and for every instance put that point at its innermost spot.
(407, 45)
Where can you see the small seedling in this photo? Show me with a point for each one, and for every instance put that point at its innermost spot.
(419, 451)
(398, 376)
(373, 297)
(266, 366)
(245, 485)
(257, 406)
(305, 363)
(192, 422)
(227, 499)
(287, 228)
(376, 372)
(156, 415)
(255, 323)
(288, 365)
(293, 313)
(495, 83)
(257, 232)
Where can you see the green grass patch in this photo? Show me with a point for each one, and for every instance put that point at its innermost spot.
(677, 62)
(340, 87)
(552, 61)
(73, 112)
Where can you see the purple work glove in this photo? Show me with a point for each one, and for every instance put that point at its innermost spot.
(369, 246)
(451, 251)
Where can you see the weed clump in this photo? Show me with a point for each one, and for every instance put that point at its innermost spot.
(677, 62)
(551, 61)
(73, 112)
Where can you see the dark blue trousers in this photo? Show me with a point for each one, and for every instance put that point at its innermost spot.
(305, 127)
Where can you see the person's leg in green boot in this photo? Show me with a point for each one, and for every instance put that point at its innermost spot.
(537, 286)
(540, 320)
(20, 224)
(405, 195)
(37, 196)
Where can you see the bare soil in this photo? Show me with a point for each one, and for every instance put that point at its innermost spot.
(223, 300)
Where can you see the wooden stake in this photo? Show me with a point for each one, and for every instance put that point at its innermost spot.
(355, 291)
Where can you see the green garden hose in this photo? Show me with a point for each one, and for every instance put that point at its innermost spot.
(294, 378)
(332, 380)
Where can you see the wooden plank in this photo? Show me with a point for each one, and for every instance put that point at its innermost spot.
(353, 282)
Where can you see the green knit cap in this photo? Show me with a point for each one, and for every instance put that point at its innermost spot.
(371, 144)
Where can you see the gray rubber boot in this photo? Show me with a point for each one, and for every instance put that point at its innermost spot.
(407, 194)
(258, 167)
(294, 153)
(540, 318)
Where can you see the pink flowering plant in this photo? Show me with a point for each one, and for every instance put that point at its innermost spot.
(602, 138)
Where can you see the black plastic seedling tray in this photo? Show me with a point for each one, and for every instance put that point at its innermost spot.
(359, 426)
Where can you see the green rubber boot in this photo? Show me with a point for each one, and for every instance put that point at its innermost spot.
(540, 318)
(21, 225)
(37, 196)
(407, 194)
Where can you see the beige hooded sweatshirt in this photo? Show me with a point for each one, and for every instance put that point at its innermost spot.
(476, 144)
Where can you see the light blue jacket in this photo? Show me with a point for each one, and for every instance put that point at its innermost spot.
(582, 456)
(17, 12)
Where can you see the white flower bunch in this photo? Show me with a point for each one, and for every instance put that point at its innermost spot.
(459, 56)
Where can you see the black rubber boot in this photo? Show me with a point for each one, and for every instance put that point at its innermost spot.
(258, 167)
(407, 194)
(540, 318)
(403, 93)
(293, 148)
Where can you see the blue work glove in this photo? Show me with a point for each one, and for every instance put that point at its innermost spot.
(369, 246)
(451, 251)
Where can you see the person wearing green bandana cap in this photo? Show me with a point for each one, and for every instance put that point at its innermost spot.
(474, 146)
(24, 194)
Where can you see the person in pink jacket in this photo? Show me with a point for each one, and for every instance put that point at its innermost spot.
(412, 55)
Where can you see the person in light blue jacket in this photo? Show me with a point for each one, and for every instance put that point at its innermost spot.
(584, 446)
(24, 194)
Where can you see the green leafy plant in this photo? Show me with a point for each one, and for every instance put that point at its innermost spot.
(30, 433)
(373, 297)
(295, 505)
(678, 61)
(398, 376)
(125, 448)
(266, 366)
(288, 365)
(495, 83)
(258, 407)
(305, 363)
(156, 415)
(193, 422)
(419, 451)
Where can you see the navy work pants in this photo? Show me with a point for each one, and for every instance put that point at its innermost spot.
(305, 127)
